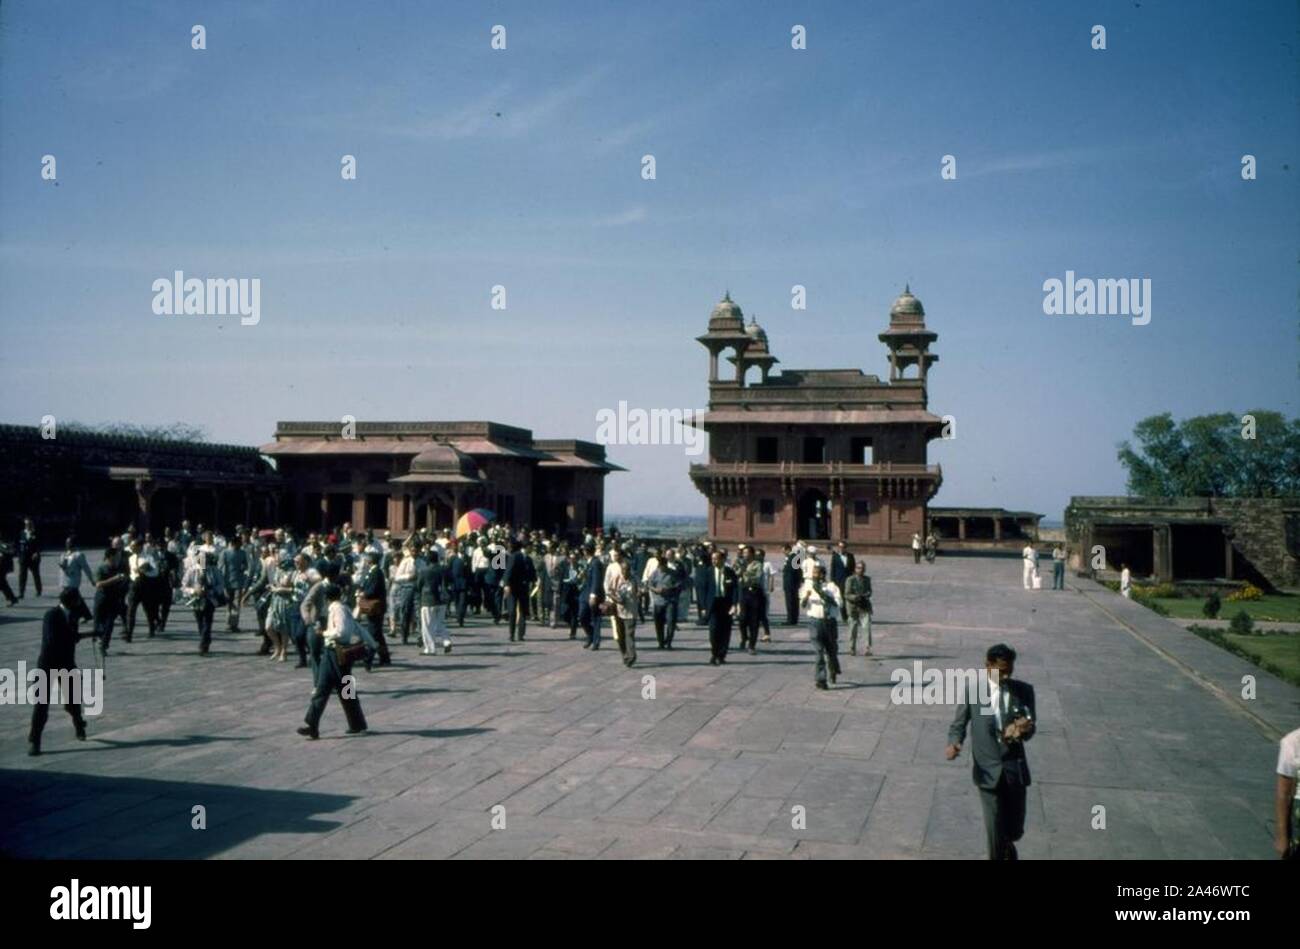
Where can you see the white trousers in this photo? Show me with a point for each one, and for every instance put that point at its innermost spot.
(1029, 574)
(433, 627)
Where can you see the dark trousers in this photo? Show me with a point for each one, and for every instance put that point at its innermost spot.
(203, 618)
(403, 610)
(916, 555)
(1004, 816)
(792, 607)
(41, 713)
(7, 590)
(164, 594)
(377, 630)
(517, 610)
(625, 632)
(492, 601)
(570, 604)
(143, 592)
(826, 640)
(329, 679)
(459, 601)
(753, 613)
(32, 565)
(314, 646)
(1058, 575)
(720, 629)
(107, 608)
(559, 599)
(666, 621)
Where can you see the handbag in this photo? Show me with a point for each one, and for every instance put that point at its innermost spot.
(371, 606)
(346, 655)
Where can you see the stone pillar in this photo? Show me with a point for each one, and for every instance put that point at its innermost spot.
(324, 511)
(1162, 561)
(997, 529)
(144, 491)
(961, 528)
(1227, 556)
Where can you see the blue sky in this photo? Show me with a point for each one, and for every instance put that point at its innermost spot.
(775, 167)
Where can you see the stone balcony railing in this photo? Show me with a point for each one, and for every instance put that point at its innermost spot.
(827, 469)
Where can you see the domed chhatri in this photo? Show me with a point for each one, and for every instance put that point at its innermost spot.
(907, 307)
(446, 461)
(758, 335)
(727, 315)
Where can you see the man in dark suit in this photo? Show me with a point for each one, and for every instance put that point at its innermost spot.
(590, 597)
(720, 602)
(842, 564)
(520, 575)
(372, 597)
(791, 581)
(58, 654)
(999, 729)
(459, 577)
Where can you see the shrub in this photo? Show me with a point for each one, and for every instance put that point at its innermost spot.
(1210, 610)
(1166, 591)
(1241, 623)
(1248, 592)
(1155, 606)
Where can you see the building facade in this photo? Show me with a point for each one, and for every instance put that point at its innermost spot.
(818, 454)
(400, 476)
(1188, 539)
(98, 485)
(983, 528)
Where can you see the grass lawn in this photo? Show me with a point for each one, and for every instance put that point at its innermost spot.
(1278, 653)
(1277, 607)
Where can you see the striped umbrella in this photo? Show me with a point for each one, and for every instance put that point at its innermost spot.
(474, 520)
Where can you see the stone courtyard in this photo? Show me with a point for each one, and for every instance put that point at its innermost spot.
(1135, 715)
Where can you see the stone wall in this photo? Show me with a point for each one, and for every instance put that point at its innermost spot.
(1265, 532)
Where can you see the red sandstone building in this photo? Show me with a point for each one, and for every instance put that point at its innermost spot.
(819, 454)
(402, 475)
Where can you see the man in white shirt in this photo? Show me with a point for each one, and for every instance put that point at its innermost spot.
(1126, 582)
(916, 548)
(809, 563)
(769, 578)
(1029, 557)
(72, 565)
(823, 603)
(1287, 798)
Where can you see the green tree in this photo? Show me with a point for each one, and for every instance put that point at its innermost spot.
(1209, 456)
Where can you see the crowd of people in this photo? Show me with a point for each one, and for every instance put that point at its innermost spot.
(335, 599)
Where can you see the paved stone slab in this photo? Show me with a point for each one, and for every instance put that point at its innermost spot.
(1137, 716)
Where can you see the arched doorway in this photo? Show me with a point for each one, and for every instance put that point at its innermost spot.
(814, 515)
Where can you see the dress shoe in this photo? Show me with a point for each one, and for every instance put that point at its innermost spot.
(308, 732)
(302, 664)
(587, 645)
(753, 650)
(713, 660)
(822, 685)
(356, 731)
(33, 748)
(81, 731)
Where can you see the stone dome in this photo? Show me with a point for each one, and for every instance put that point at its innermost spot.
(445, 460)
(907, 307)
(758, 335)
(727, 315)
